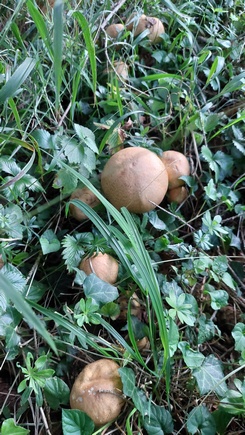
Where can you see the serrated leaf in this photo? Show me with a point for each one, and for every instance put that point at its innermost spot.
(49, 242)
(100, 291)
(201, 421)
(16, 278)
(65, 180)
(87, 137)
(56, 392)
(73, 150)
(209, 376)
(75, 422)
(10, 428)
(74, 248)
(159, 421)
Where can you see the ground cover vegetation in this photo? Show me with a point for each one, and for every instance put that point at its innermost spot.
(159, 293)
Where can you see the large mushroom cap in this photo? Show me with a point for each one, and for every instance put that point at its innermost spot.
(152, 24)
(132, 178)
(176, 165)
(97, 391)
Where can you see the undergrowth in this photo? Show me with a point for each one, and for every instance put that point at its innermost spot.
(65, 110)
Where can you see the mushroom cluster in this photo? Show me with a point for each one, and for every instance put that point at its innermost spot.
(97, 391)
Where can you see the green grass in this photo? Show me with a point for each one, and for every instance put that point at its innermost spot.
(61, 118)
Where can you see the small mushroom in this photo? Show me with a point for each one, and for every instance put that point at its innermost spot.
(176, 165)
(85, 195)
(114, 29)
(132, 178)
(153, 24)
(97, 391)
(178, 195)
(102, 265)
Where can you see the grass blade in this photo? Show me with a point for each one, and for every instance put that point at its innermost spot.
(16, 80)
(41, 26)
(23, 307)
(58, 42)
(90, 47)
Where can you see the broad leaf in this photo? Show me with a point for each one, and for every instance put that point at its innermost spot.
(201, 421)
(56, 392)
(209, 376)
(10, 428)
(75, 422)
(49, 242)
(99, 290)
(159, 421)
(238, 334)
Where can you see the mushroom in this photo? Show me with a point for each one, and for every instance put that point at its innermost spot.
(121, 69)
(97, 391)
(178, 195)
(85, 195)
(114, 29)
(153, 24)
(176, 165)
(103, 265)
(135, 178)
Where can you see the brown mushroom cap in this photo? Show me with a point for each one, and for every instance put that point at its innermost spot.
(178, 195)
(153, 24)
(132, 178)
(103, 265)
(176, 165)
(97, 391)
(114, 29)
(85, 195)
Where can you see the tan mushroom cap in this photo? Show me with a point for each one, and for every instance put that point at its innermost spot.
(153, 25)
(97, 391)
(103, 265)
(178, 194)
(132, 178)
(176, 165)
(85, 195)
(114, 29)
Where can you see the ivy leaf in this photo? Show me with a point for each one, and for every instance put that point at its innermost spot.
(56, 392)
(75, 422)
(159, 421)
(201, 421)
(49, 242)
(128, 381)
(238, 333)
(192, 358)
(207, 329)
(98, 290)
(209, 376)
(10, 428)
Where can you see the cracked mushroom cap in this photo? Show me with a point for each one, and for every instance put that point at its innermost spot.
(97, 391)
(132, 178)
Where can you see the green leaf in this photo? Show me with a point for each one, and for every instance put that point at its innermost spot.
(10, 428)
(227, 279)
(57, 48)
(238, 333)
(41, 26)
(49, 242)
(73, 150)
(192, 358)
(56, 392)
(128, 381)
(219, 298)
(23, 307)
(16, 278)
(216, 67)
(209, 376)
(89, 46)
(159, 421)
(66, 181)
(74, 248)
(201, 421)
(87, 137)
(99, 290)
(75, 422)
(16, 80)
